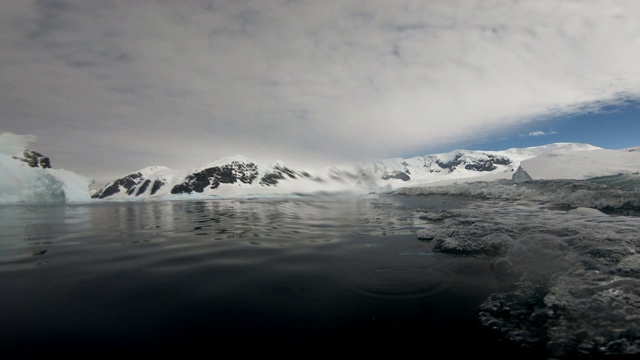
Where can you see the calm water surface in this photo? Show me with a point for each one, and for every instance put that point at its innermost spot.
(251, 276)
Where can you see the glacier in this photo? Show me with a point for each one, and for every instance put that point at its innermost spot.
(26, 176)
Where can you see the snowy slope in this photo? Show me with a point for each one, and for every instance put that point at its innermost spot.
(601, 179)
(631, 149)
(582, 165)
(228, 177)
(239, 176)
(27, 177)
(466, 165)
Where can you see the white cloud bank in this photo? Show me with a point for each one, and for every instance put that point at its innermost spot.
(122, 85)
(542, 133)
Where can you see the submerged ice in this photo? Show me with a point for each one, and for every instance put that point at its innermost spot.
(618, 193)
(570, 250)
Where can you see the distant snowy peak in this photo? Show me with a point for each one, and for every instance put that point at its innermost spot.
(465, 164)
(459, 160)
(554, 147)
(148, 180)
(238, 175)
(227, 160)
(236, 170)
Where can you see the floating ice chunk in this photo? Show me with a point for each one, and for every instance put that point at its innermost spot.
(575, 277)
(437, 215)
(385, 188)
(629, 266)
(23, 184)
(22, 181)
(520, 176)
(497, 243)
(587, 212)
(613, 194)
(433, 233)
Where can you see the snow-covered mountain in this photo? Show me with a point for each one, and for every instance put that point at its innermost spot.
(27, 175)
(239, 176)
(227, 177)
(464, 165)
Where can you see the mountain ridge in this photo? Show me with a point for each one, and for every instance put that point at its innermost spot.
(239, 176)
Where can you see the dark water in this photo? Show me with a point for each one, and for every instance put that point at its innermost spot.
(295, 277)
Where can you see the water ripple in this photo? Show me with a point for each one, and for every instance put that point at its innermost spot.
(402, 283)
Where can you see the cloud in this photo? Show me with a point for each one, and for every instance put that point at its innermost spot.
(12, 144)
(122, 85)
(541, 133)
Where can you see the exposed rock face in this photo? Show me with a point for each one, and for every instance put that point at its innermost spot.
(278, 173)
(400, 175)
(235, 172)
(452, 164)
(132, 184)
(35, 159)
(486, 164)
(489, 164)
(212, 177)
(148, 182)
(157, 184)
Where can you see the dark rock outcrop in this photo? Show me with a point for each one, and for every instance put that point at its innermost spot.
(34, 159)
(280, 173)
(157, 184)
(487, 164)
(128, 183)
(452, 164)
(236, 171)
(400, 175)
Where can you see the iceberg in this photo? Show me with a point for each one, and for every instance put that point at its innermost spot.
(26, 176)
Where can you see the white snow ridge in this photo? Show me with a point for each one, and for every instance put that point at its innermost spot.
(472, 172)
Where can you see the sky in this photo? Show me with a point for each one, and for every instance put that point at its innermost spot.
(110, 87)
